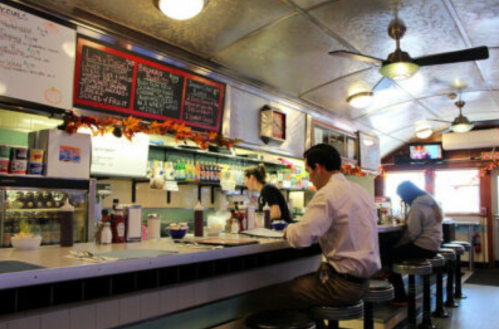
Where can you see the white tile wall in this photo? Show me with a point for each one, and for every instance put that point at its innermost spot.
(82, 317)
(58, 319)
(149, 305)
(107, 314)
(129, 309)
(31, 322)
(26, 122)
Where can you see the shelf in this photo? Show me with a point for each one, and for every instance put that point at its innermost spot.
(39, 210)
(50, 183)
(215, 154)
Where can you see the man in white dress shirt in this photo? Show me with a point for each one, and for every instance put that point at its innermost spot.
(342, 219)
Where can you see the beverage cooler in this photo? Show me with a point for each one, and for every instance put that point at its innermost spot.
(32, 204)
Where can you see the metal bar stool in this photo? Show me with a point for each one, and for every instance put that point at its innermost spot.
(279, 319)
(379, 291)
(459, 249)
(334, 314)
(436, 263)
(467, 248)
(412, 268)
(449, 256)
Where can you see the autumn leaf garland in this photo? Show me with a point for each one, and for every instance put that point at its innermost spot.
(130, 126)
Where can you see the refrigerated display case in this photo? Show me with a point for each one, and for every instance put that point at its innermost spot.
(32, 204)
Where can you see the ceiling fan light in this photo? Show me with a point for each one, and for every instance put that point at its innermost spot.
(181, 9)
(461, 125)
(399, 70)
(424, 133)
(360, 100)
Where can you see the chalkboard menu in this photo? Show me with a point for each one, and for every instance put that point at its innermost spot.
(113, 79)
(36, 57)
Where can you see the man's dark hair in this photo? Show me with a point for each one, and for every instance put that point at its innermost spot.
(325, 155)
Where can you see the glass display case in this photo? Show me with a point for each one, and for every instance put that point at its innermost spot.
(32, 205)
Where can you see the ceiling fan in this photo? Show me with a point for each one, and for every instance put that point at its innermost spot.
(461, 123)
(399, 65)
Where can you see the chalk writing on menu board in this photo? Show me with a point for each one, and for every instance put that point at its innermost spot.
(105, 78)
(201, 103)
(158, 91)
(37, 56)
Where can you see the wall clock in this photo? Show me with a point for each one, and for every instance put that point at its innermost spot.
(272, 126)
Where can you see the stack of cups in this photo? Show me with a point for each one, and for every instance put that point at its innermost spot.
(18, 160)
(35, 162)
(4, 159)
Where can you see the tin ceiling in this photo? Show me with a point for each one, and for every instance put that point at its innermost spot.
(283, 45)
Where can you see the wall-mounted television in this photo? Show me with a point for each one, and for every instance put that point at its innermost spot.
(425, 152)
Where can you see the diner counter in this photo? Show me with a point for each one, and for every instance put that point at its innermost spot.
(59, 265)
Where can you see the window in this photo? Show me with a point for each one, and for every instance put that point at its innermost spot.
(392, 181)
(458, 191)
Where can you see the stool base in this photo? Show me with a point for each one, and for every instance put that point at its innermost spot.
(452, 304)
(441, 314)
(427, 326)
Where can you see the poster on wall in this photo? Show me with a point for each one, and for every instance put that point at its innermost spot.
(37, 57)
(369, 152)
(114, 79)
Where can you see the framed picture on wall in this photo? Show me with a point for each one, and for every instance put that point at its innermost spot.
(369, 152)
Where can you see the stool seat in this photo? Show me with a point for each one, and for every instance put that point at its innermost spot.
(279, 319)
(437, 261)
(347, 312)
(447, 253)
(465, 244)
(413, 267)
(379, 291)
(456, 247)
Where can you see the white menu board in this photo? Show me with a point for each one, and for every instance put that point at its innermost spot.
(119, 156)
(37, 59)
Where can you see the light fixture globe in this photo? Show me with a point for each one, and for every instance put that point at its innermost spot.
(399, 71)
(360, 100)
(461, 124)
(424, 132)
(181, 9)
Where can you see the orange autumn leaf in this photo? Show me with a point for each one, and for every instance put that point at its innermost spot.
(131, 123)
(212, 135)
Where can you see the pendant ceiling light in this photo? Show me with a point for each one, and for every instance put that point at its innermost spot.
(360, 100)
(424, 131)
(461, 124)
(181, 9)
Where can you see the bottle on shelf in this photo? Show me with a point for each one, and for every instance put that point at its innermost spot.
(107, 235)
(198, 172)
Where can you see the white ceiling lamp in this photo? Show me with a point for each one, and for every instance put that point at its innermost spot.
(423, 132)
(181, 9)
(360, 100)
(461, 124)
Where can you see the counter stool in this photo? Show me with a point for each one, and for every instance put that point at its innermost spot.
(467, 248)
(335, 314)
(412, 267)
(449, 256)
(379, 291)
(279, 319)
(436, 262)
(459, 249)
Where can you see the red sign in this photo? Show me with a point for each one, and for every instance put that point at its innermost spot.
(490, 155)
(113, 79)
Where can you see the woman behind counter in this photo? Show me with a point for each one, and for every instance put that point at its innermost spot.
(254, 179)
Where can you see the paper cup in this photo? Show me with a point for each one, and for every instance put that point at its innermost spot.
(4, 165)
(18, 166)
(4, 152)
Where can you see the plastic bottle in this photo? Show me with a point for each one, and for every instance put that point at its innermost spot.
(107, 235)
(153, 226)
(66, 215)
(118, 227)
(250, 217)
(266, 215)
(198, 220)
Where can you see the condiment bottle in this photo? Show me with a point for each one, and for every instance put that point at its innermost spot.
(66, 224)
(153, 226)
(250, 217)
(266, 215)
(106, 235)
(198, 219)
(118, 227)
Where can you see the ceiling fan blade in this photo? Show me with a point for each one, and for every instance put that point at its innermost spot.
(382, 84)
(357, 56)
(445, 131)
(486, 123)
(438, 120)
(471, 54)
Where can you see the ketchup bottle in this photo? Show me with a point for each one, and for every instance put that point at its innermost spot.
(118, 226)
(266, 215)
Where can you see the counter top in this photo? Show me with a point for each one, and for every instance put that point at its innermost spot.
(60, 266)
